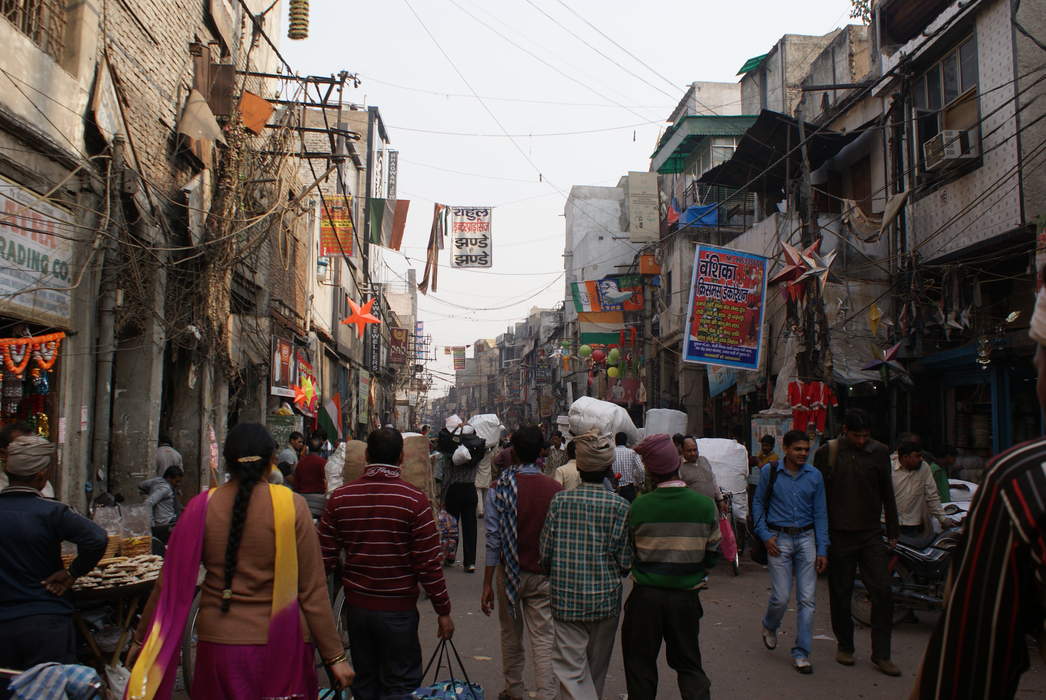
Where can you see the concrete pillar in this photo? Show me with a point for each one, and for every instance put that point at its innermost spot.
(137, 400)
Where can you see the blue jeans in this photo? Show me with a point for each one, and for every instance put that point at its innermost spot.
(798, 556)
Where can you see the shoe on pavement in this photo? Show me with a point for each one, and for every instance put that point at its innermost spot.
(803, 665)
(770, 639)
(846, 658)
(886, 666)
(470, 569)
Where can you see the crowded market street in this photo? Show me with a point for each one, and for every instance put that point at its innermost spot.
(660, 350)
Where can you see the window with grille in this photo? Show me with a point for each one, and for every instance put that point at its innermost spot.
(43, 21)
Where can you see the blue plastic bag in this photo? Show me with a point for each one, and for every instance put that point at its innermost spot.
(452, 689)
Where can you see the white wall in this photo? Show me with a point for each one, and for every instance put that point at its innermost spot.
(596, 236)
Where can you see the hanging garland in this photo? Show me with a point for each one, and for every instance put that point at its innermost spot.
(17, 352)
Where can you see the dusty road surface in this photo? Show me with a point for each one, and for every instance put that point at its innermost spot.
(734, 656)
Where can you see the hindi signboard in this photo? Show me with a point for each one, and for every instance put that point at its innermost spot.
(470, 240)
(724, 323)
(336, 227)
(644, 208)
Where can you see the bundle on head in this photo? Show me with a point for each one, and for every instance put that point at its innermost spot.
(248, 456)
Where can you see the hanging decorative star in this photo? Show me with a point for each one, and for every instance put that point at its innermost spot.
(888, 358)
(819, 267)
(360, 316)
(304, 393)
(796, 262)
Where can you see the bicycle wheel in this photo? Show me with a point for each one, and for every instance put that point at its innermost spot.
(189, 641)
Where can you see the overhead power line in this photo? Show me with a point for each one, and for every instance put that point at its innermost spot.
(598, 51)
(520, 100)
(542, 61)
(611, 40)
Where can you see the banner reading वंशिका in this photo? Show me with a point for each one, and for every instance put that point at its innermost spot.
(725, 317)
(470, 237)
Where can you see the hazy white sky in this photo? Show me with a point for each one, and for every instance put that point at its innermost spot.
(560, 86)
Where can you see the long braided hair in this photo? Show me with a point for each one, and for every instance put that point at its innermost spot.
(248, 457)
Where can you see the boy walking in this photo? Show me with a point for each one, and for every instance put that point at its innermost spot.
(675, 536)
(791, 518)
(517, 505)
(585, 549)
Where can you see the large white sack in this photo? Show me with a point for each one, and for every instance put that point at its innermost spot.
(665, 420)
(333, 468)
(729, 460)
(453, 422)
(608, 418)
(488, 427)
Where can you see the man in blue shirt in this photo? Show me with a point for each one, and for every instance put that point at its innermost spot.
(36, 617)
(791, 518)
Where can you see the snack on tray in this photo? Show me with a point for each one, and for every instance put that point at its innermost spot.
(114, 572)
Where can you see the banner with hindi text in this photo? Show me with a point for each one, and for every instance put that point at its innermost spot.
(336, 227)
(470, 237)
(727, 302)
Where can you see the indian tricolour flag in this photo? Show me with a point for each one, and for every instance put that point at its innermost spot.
(329, 417)
(586, 296)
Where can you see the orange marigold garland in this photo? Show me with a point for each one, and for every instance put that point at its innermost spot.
(17, 352)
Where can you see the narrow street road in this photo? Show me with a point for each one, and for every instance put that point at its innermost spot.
(734, 656)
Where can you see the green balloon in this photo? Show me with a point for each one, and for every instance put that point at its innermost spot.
(584, 351)
(614, 356)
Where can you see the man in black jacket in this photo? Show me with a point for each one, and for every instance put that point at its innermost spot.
(859, 489)
(36, 623)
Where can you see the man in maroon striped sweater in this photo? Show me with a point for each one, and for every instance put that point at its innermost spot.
(386, 530)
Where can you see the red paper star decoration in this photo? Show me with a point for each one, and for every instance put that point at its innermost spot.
(795, 262)
(360, 316)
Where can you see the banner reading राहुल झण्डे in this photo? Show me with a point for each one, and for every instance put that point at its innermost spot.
(470, 239)
(724, 323)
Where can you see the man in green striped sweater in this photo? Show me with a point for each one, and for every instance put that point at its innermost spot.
(675, 536)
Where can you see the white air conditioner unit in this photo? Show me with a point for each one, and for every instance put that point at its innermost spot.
(950, 147)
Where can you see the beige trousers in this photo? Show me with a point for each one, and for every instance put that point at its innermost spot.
(534, 612)
(582, 656)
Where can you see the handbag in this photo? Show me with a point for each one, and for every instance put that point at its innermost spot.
(756, 547)
(452, 689)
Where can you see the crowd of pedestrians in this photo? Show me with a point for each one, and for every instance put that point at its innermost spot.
(566, 522)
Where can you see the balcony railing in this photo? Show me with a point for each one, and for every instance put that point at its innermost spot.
(43, 21)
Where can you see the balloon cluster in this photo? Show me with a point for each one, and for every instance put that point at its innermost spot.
(598, 357)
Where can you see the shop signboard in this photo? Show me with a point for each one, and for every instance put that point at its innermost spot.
(725, 316)
(644, 213)
(470, 237)
(282, 372)
(363, 397)
(36, 257)
(399, 346)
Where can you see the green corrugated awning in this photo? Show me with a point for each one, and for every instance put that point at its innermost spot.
(752, 63)
(679, 142)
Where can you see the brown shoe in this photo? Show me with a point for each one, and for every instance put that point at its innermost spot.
(846, 658)
(886, 666)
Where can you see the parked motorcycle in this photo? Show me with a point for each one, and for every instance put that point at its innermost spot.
(919, 569)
